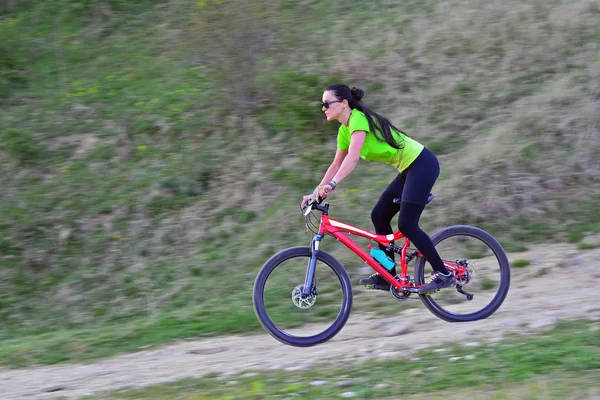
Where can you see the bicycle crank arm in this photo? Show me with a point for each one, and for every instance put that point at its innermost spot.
(459, 289)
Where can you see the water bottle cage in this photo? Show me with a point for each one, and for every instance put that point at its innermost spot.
(394, 248)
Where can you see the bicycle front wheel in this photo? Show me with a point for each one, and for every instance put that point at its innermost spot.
(287, 315)
(486, 281)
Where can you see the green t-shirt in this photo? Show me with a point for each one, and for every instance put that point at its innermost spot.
(375, 150)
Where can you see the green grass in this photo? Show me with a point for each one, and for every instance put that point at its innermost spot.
(520, 263)
(561, 362)
(142, 160)
(78, 345)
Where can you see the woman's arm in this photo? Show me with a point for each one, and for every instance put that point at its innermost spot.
(340, 155)
(357, 140)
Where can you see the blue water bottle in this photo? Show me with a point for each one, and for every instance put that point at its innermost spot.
(382, 258)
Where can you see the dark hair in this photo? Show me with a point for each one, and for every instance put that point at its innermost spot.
(380, 126)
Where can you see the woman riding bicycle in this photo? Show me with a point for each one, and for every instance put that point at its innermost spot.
(366, 134)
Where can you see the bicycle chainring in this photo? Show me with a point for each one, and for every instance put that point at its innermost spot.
(399, 295)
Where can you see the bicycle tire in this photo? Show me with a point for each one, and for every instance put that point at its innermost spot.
(503, 269)
(263, 315)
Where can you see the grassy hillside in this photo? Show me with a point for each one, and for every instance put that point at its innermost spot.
(153, 152)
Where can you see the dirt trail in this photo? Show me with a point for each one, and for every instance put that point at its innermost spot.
(537, 300)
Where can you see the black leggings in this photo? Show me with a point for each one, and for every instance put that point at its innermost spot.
(413, 186)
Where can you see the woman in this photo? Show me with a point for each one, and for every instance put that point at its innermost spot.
(366, 134)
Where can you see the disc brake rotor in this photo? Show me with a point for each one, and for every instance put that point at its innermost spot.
(300, 301)
(468, 275)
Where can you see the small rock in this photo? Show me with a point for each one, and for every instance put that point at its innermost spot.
(454, 358)
(470, 357)
(554, 183)
(511, 322)
(347, 395)
(410, 311)
(297, 368)
(381, 386)
(441, 350)
(431, 368)
(344, 384)
(595, 272)
(416, 372)
(80, 111)
(123, 154)
(592, 240)
(388, 355)
(575, 261)
(543, 323)
(249, 375)
(399, 329)
(472, 344)
(318, 383)
(386, 322)
(64, 234)
(226, 375)
(230, 383)
(594, 315)
(54, 388)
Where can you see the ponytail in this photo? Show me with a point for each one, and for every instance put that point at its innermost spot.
(379, 125)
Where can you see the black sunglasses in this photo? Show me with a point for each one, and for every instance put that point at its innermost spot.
(326, 104)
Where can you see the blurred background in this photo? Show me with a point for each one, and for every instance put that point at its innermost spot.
(153, 153)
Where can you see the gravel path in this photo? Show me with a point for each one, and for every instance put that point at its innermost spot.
(538, 298)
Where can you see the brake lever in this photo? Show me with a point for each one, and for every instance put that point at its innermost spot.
(310, 205)
(308, 208)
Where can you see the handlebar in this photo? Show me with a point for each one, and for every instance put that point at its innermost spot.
(315, 204)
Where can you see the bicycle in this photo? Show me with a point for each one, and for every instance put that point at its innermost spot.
(291, 314)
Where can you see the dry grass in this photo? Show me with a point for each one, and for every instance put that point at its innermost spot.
(514, 84)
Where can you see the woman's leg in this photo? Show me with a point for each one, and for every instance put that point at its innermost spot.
(420, 178)
(385, 209)
(408, 223)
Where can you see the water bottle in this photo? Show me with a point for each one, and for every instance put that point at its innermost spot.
(382, 258)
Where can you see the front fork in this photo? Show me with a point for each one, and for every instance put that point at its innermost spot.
(309, 281)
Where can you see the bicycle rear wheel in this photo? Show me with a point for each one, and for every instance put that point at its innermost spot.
(488, 277)
(287, 316)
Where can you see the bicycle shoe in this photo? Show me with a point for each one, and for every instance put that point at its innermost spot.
(376, 282)
(439, 281)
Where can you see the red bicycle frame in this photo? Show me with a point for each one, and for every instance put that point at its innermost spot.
(337, 228)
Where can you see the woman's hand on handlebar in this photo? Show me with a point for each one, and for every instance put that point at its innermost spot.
(319, 195)
(323, 191)
(306, 198)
